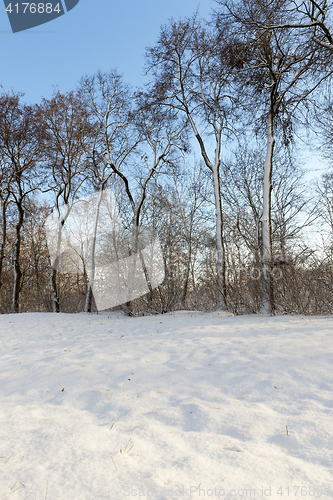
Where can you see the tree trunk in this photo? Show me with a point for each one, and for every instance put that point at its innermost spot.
(53, 275)
(267, 300)
(89, 296)
(3, 238)
(16, 261)
(187, 275)
(54, 291)
(221, 265)
(136, 252)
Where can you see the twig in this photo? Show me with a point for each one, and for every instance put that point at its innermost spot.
(11, 493)
(114, 463)
(10, 457)
(28, 495)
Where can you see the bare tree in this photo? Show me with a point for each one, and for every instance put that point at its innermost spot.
(313, 17)
(21, 139)
(35, 258)
(67, 145)
(282, 71)
(177, 212)
(109, 103)
(192, 74)
(130, 144)
(291, 214)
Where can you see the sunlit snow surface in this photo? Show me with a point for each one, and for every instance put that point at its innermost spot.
(197, 405)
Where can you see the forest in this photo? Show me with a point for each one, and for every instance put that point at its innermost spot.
(208, 155)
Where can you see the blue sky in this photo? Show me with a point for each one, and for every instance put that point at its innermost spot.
(96, 34)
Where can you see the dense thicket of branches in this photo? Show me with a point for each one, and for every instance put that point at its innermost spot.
(239, 226)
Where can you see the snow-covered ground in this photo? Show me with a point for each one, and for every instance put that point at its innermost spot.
(183, 405)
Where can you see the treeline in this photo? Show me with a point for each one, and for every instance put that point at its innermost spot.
(205, 156)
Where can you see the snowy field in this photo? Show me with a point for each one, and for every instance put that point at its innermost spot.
(183, 405)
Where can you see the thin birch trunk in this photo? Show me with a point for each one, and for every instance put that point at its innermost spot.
(267, 300)
(53, 275)
(54, 291)
(138, 252)
(187, 275)
(135, 251)
(89, 296)
(215, 168)
(221, 265)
